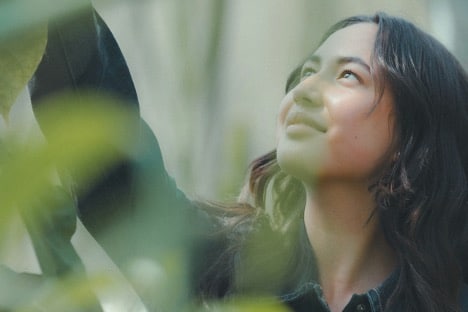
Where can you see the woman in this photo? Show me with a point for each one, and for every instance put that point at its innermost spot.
(362, 207)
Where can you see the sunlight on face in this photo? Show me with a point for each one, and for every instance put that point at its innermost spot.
(328, 125)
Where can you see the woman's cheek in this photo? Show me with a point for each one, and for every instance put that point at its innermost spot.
(284, 107)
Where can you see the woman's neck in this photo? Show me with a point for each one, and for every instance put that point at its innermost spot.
(352, 253)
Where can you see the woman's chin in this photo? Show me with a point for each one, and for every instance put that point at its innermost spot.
(303, 166)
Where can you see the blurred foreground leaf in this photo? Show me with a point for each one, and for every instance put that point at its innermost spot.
(16, 289)
(18, 15)
(85, 136)
(20, 55)
(71, 294)
(23, 36)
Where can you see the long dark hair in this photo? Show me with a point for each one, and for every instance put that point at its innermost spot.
(421, 196)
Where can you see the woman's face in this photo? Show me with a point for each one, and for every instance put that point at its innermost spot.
(329, 125)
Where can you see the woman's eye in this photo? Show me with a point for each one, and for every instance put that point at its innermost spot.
(347, 74)
(308, 72)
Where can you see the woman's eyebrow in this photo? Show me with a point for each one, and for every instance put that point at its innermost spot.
(314, 58)
(353, 59)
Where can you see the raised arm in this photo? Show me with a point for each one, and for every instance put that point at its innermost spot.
(134, 210)
(82, 55)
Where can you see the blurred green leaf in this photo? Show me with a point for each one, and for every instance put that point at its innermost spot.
(71, 294)
(23, 36)
(19, 58)
(16, 289)
(19, 15)
(85, 136)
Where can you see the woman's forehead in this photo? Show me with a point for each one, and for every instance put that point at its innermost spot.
(352, 41)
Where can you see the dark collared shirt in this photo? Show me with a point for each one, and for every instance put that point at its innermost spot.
(310, 298)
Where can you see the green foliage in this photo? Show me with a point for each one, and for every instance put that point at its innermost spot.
(19, 56)
(67, 294)
(17, 16)
(85, 137)
(23, 36)
(80, 132)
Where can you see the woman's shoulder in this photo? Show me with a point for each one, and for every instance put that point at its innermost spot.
(464, 297)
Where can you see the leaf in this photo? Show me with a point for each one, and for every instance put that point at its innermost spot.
(23, 36)
(20, 55)
(20, 15)
(85, 136)
(71, 294)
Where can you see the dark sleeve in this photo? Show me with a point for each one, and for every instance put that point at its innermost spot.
(82, 55)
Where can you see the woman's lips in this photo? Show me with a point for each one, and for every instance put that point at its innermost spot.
(302, 119)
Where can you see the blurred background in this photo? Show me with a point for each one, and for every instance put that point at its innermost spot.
(210, 74)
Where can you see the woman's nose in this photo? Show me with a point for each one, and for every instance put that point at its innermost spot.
(308, 92)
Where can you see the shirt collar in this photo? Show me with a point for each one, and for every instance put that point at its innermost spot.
(309, 297)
